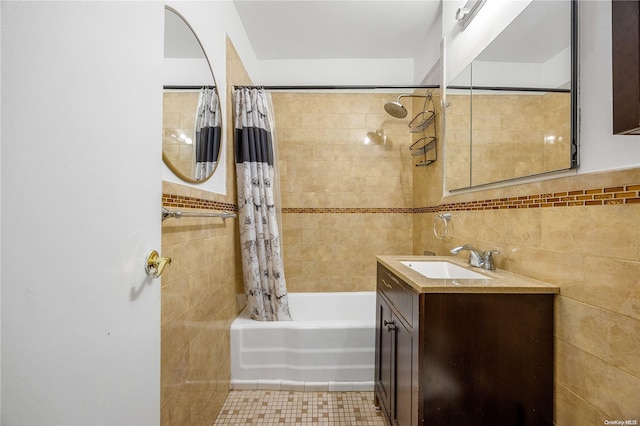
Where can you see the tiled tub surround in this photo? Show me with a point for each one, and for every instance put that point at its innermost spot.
(342, 199)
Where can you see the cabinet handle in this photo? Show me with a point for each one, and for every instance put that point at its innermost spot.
(394, 279)
(386, 283)
(390, 325)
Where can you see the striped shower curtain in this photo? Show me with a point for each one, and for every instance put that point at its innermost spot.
(263, 268)
(207, 134)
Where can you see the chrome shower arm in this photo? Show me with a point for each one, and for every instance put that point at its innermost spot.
(409, 95)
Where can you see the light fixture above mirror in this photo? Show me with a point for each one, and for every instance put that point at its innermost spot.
(465, 14)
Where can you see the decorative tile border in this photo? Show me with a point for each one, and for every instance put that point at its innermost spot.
(629, 194)
(623, 194)
(181, 201)
(347, 210)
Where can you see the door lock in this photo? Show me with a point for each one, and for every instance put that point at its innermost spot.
(155, 264)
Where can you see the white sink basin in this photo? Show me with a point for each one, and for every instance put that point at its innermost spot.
(442, 270)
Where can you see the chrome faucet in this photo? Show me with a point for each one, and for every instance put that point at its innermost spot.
(478, 258)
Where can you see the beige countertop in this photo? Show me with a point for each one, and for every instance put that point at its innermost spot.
(498, 281)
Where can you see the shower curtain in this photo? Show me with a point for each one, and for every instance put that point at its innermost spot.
(207, 134)
(255, 148)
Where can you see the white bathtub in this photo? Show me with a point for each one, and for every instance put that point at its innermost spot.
(329, 345)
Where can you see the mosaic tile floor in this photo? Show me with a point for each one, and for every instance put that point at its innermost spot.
(266, 407)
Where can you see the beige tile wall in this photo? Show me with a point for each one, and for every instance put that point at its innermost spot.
(516, 132)
(342, 198)
(526, 134)
(557, 130)
(178, 118)
(202, 292)
(592, 252)
(198, 305)
(337, 251)
(458, 122)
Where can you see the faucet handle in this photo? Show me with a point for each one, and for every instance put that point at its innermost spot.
(488, 262)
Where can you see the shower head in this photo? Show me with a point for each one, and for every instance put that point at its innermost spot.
(376, 138)
(395, 109)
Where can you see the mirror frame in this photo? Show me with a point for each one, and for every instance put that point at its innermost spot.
(574, 128)
(165, 158)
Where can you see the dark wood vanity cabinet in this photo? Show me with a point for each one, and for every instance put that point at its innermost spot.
(462, 358)
(394, 365)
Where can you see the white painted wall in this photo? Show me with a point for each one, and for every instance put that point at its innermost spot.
(186, 72)
(426, 67)
(81, 186)
(555, 73)
(306, 72)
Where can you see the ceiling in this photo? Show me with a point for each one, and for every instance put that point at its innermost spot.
(308, 29)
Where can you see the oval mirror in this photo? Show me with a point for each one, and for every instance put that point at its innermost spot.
(191, 120)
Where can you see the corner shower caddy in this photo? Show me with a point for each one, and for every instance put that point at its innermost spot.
(427, 143)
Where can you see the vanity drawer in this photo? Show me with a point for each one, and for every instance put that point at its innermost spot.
(397, 292)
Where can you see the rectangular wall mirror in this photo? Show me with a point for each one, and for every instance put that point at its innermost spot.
(512, 112)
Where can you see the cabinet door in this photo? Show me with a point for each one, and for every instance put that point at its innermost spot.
(625, 66)
(384, 355)
(403, 380)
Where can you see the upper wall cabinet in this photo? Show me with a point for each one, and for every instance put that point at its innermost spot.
(192, 130)
(512, 112)
(625, 39)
